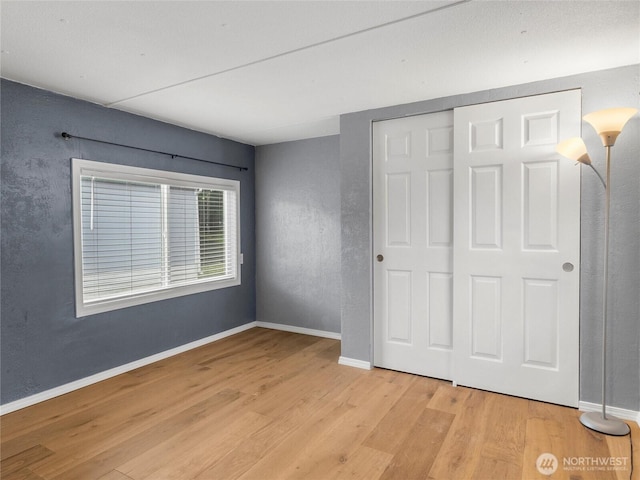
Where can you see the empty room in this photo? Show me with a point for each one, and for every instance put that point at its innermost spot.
(317, 240)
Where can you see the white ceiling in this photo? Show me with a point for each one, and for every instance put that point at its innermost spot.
(271, 71)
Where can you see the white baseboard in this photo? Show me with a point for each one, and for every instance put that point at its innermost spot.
(304, 331)
(622, 413)
(352, 362)
(98, 377)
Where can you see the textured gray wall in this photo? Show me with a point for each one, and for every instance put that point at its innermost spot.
(610, 88)
(43, 345)
(298, 233)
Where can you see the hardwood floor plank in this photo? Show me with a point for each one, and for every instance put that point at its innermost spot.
(501, 454)
(310, 401)
(449, 398)
(24, 474)
(26, 420)
(289, 366)
(544, 435)
(114, 426)
(463, 444)
(193, 457)
(416, 455)
(358, 392)
(115, 475)
(327, 380)
(492, 467)
(256, 341)
(214, 421)
(364, 463)
(261, 443)
(19, 461)
(334, 449)
(95, 460)
(47, 430)
(391, 432)
(296, 447)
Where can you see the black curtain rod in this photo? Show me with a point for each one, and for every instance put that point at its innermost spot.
(68, 136)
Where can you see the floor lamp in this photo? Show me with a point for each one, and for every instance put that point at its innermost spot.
(608, 124)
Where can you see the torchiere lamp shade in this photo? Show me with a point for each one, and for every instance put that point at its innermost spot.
(574, 149)
(608, 123)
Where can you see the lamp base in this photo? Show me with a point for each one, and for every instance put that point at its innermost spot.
(609, 426)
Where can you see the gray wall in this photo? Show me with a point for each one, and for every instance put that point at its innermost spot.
(43, 345)
(298, 233)
(617, 87)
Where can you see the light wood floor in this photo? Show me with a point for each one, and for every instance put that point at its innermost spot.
(267, 405)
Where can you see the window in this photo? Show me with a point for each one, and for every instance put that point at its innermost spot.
(142, 235)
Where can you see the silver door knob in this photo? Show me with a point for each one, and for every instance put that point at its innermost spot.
(380, 258)
(567, 267)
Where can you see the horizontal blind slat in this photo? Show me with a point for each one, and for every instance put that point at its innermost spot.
(126, 227)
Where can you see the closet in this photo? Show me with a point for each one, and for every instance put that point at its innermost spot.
(476, 246)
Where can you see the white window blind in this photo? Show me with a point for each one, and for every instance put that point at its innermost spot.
(144, 235)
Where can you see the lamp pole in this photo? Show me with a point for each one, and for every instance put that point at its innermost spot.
(594, 420)
(605, 283)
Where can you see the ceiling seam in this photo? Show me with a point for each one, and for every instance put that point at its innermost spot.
(289, 52)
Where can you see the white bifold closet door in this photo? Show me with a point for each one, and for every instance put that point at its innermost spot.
(486, 293)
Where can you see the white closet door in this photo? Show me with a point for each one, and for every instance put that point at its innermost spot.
(413, 235)
(516, 248)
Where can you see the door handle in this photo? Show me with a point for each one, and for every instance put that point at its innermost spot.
(380, 258)
(567, 267)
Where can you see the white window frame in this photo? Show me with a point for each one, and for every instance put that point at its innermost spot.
(81, 168)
